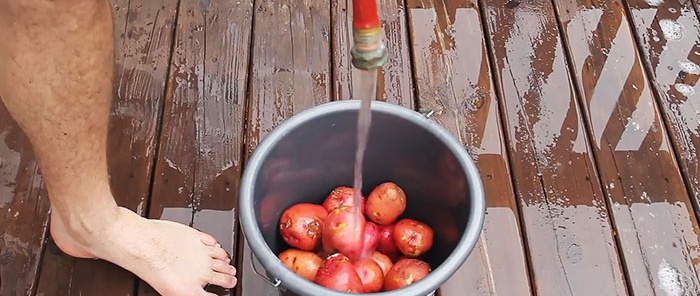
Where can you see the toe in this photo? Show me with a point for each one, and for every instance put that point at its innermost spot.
(207, 239)
(218, 253)
(223, 267)
(226, 281)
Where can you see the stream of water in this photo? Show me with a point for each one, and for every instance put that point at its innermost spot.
(367, 84)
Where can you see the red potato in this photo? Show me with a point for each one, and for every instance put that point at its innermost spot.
(301, 225)
(303, 263)
(386, 243)
(413, 238)
(405, 272)
(385, 203)
(383, 261)
(342, 196)
(370, 239)
(338, 273)
(343, 232)
(371, 274)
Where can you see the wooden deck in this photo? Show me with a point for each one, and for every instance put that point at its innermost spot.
(583, 116)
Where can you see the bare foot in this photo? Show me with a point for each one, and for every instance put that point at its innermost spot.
(173, 258)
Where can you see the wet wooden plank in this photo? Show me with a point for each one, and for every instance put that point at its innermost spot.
(199, 158)
(290, 72)
(650, 205)
(143, 36)
(569, 238)
(24, 207)
(668, 34)
(394, 79)
(453, 77)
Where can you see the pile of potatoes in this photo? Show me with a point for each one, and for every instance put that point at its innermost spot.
(365, 250)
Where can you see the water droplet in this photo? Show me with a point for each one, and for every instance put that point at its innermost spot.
(611, 186)
(656, 38)
(670, 280)
(672, 10)
(689, 67)
(654, 2)
(672, 30)
(684, 89)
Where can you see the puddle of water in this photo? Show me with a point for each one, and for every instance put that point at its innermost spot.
(667, 251)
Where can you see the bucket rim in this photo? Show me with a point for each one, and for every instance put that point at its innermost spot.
(289, 280)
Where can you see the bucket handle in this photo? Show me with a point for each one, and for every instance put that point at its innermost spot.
(275, 284)
(427, 113)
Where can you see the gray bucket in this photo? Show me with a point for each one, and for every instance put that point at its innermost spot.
(311, 153)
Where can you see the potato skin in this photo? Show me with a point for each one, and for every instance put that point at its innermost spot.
(370, 239)
(405, 272)
(342, 196)
(413, 238)
(338, 273)
(301, 225)
(303, 263)
(371, 274)
(385, 203)
(386, 244)
(383, 261)
(341, 234)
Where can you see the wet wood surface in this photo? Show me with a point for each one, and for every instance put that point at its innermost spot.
(653, 213)
(290, 72)
(23, 210)
(571, 246)
(582, 117)
(453, 80)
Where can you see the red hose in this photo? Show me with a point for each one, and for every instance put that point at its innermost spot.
(365, 14)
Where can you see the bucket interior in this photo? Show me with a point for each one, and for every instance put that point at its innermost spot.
(318, 155)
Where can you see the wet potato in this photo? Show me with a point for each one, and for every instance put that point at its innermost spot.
(301, 225)
(371, 274)
(413, 238)
(338, 273)
(303, 263)
(385, 203)
(405, 272)
(342, 196)
(343, 232)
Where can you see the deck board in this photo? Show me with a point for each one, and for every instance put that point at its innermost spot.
(23, 209)
(570, 245)
(651, 208)
(199, 157)
(672, 63)
(143, 36)
(453, 77)
(290, 72)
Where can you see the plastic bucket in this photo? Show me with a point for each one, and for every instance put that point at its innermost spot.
(311, 153)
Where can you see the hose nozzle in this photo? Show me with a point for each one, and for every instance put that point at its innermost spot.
(368, 51)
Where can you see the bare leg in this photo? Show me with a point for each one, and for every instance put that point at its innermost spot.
(56, 60)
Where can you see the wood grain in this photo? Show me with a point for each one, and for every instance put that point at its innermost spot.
(199, 157)
(453, 77)
(143, 37)
(394, 79)
(569, 237)
(290, 72)
(650, 205)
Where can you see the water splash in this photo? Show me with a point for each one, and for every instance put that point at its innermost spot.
(654, 2)
(672, 30)
(689, 67)
(684, 89)
(670, 279)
